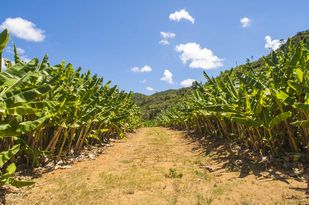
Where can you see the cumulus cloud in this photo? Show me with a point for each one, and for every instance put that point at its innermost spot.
(167, 76)
(245, 22)
(273, 44)
(25, 59)
(20, 51)
(23, 29)
(198, 57)
(187, 82)
(149, 88)
(164, 42)
(144, 69)
(144, 81)
(181, 14)
(166, 36)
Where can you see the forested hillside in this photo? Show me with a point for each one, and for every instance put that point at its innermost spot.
(153, 104)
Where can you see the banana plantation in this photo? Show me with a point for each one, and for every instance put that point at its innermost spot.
(50, 111)
(265, 108)
(183, 102)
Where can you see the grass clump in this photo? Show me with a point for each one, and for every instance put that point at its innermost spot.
(173, 173)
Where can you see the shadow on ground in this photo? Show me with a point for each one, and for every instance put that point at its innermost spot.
(233, 157)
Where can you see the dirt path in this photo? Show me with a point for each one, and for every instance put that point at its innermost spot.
(156, 166)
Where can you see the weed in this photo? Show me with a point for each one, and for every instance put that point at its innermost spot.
(172, 173)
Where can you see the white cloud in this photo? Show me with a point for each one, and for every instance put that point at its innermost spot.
(167, 76)
(273, 44)
(149, 88)
(144, 69)
(25, 59)
(245, 22)
(20, 51)
(166, 36)
(164, 42)
(200, 57)
(144, 81)
(181, 14)
(187, 83)
(23, 29)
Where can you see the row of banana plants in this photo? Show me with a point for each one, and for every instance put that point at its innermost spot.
(55, 110)
(265, 108)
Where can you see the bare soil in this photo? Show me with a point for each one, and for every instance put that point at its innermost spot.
(159, 166)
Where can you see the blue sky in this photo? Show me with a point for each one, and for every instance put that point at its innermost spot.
(115, 38)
